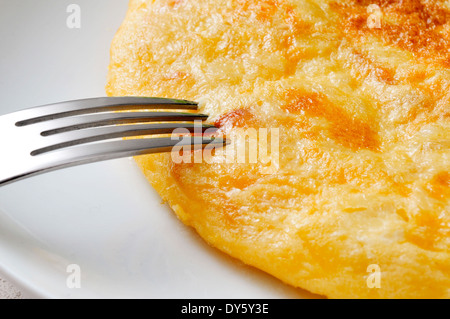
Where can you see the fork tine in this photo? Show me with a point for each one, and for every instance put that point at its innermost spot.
(95, 105)
(104, 119)
(127, 148)
(110, 132)
(84, 154)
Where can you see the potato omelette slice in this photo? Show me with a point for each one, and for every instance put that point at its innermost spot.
(357, 203)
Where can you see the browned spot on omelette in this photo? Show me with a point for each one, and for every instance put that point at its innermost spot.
(413, 25)
(344, 129)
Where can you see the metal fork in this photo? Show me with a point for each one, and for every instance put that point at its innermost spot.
(55, 136)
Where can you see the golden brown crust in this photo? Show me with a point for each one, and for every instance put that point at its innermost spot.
(363, 114)
(420, 27)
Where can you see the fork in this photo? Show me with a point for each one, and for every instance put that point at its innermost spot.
(60, 135)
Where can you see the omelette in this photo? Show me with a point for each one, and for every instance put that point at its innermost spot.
(352, 100)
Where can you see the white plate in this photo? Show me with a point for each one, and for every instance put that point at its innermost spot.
(103, 217)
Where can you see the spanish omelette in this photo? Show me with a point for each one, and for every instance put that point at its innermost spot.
(362, 109)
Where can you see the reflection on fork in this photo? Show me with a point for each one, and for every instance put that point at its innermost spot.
(55, 136)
